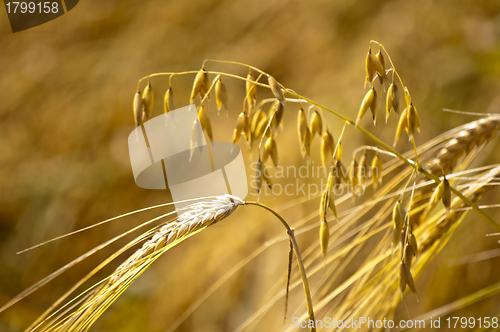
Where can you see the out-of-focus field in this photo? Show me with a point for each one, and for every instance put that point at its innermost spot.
(66, 91)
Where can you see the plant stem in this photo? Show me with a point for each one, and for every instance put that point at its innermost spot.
(300, 263)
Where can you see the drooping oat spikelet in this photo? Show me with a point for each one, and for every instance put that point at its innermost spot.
(446, 194)
(148, 100)
(271, 149)
(276, 89)
(323, 205)
(302, 125)
(369, 102)
(402, 125)
(242, 126)
(316, 124)
(406, 279)
(413, 121)
(258, 125)
(376, 171)
(251, 90)
(201, 85)
(327, 147)
(169, 100)
(338, 155)
(221, 94)
(373, 66)
(392, 101)
(277, 111)
(324, 237)
(362, 173)
(369, 66)
(353, 174)
(196, 138)
(137, 107)
(306, 145)
(380, 58)
(205, 121)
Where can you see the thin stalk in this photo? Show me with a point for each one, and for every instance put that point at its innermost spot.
(300, 263)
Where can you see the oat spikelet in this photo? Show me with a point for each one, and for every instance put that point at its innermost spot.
(373, 66)
(251, 89)
(353, 174)
(406, 278)
(200, 86)
(221, 95)
(169, 100)
(380, 58)
(327, 146)
(362, 173)
(242, 126)
(148, 100)
(338, 156)
(196, 138)
(324, 237)
(271, 149)
(138, 105)
(306, 146)
(413, 121)
(302, 125)
(369, 102)
(376, 171)
(402, 125)
(278, 110)
(392, 101)
(205, 121)
(276, 89)
(316, 124)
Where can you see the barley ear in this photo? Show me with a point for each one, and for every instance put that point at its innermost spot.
(221, 94)
(137, 108)
(169, 100)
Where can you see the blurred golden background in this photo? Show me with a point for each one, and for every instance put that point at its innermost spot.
(66, 112)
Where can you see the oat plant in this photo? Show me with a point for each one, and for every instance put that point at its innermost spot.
(402, 206)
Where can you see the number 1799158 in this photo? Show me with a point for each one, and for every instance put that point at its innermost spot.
(32, 7)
